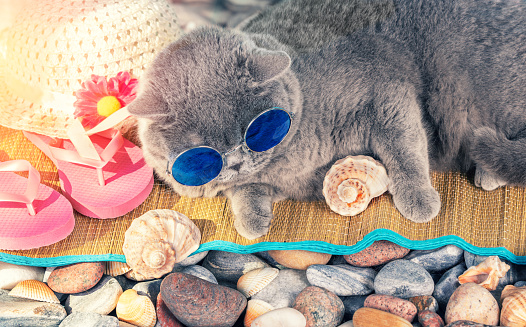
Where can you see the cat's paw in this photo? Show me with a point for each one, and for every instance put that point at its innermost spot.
(252, 225)
(418, 204)
(486, 180)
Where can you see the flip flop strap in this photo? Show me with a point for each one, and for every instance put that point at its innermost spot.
(33, 182)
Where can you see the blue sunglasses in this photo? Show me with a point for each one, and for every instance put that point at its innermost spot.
(200, 165)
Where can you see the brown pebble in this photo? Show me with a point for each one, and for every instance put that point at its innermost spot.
(378, 253)
(320, 306)
(391, 304)
(369, 317)
(430, 318)
(424, 302)
(299, 259)
(467, 323)
(164, 316)
(75, 278)
(472, 302)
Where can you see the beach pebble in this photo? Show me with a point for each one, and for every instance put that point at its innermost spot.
(424, 302)
(282, 290)
(347, 324)
(447, 284)
(378, 253)
(230, 266)
(125, 282)
(320, 306)
(196, 302)
(100, 299)
(343, 280)
(466, 323)
(353, 303)
(193, 259)
(284, 317)
(520, 283)
(299, 259)
(11, 274)
(150, 288)
(22, 312)
(437, 260)
(394, 305)
(430, 319)
(474, 303)
(165, 317)
(268, 259)
(76, 278)
(369, 317)
(89, 319)
(404, 279)
(201, 272)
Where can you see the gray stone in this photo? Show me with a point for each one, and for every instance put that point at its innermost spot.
(268, 259)
(150, 288)
(403, 278)
(230, 266)
(100, 299)
(282, 291)
(342, 280)
(337, 260)
(353, 303)
(192, 260)
(437, 260)
(18, 312)
(89, 319)
(520, 283)
(201, 272)
(471, 259)
(448, 284)
(125, 282)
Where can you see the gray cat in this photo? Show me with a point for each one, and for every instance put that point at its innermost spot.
(429, 85)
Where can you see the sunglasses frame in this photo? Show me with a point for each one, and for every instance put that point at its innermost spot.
(242, 145)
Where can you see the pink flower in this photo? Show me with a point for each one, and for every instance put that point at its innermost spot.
(98, 98)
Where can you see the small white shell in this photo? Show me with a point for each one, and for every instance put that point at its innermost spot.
(34, 290)
(256, 308)
(486, 274)
(284, 317)
(352, 182)
(136, 309)
(155, 241)
(115, 268)
(255, 280)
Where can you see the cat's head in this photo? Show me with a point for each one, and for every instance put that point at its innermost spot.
(204, 90)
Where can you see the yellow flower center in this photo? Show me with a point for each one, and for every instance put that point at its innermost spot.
(108, 105)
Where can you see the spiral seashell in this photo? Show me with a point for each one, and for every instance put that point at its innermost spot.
(136, 309)
(255, 280)
(486, 274)
(256, 308)
(513, 313)
(34, 290)
(115, 268)
(155, 241)
(352, 182)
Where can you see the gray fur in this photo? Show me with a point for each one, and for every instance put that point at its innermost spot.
(433, 85)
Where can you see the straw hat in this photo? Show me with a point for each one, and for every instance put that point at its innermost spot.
(54, 46)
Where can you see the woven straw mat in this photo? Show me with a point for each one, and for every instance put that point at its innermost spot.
(483, 219)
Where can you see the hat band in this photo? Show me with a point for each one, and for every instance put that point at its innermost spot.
(45, 98)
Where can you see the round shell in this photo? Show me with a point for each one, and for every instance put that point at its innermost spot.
(486, 274)
(155, 241)
(34, 290)
(513, 313)
(255, 280)
(283, 317)
(352, 182)
(136, 309)
(256, 308)
(115, 268)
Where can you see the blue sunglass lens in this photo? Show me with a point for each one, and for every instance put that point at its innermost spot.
(197, 166)
(267, 130)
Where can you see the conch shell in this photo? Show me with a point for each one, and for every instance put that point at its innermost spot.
(352, 182)
(486, 274)
(34, 290)
(136, 309)
(155, 241)
(513, 313)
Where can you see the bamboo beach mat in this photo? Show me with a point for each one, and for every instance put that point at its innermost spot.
(484, 223)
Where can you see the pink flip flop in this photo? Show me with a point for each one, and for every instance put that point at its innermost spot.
(106, 188)
(31, 214)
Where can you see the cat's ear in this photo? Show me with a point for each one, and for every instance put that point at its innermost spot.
(148, 105)
(264, 65)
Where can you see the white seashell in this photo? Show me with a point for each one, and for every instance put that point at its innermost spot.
(352, 182)
(115, 268)
(256, 308)
(513, 313)
(255, 280)
(284, 317)
(136, 309)
(11, 274)
(486, 274)
(155, 241)
(34, 290)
